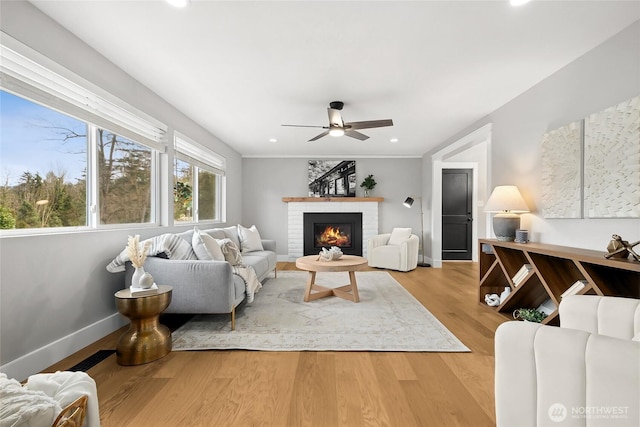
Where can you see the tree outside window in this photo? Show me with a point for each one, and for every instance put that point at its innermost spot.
(183, 192)
(44, 167)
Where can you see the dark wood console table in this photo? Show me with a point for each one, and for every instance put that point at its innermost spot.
(554, 270)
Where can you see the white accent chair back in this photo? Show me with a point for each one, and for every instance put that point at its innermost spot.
(584, 373)
(397, 250)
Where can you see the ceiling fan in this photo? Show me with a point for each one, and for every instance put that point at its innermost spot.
(337, 126)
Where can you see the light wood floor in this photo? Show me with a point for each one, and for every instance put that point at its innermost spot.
(246, 388)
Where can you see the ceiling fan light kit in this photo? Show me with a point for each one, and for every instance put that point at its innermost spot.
(337, 126)
(336, 131)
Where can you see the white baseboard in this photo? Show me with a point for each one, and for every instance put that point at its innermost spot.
(435, 263)
(34, 362)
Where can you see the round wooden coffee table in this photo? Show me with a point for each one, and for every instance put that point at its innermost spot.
(349, 263)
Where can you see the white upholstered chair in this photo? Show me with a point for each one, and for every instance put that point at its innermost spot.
(584, 373)
(397, 250)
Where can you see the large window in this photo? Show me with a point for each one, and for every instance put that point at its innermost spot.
(72, 155)
(124, 183)
(198, 183)
(43, 166)
(45, 158)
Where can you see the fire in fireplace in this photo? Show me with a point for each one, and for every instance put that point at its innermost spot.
(326, 229)
(333, 235)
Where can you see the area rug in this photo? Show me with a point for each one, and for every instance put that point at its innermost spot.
(387, 318)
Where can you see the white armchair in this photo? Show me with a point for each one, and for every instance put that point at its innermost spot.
(397, 250)
(584, 373)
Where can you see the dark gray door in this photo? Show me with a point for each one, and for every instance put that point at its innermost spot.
(457, 213)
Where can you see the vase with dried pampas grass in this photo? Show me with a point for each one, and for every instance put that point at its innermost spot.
(137, 256)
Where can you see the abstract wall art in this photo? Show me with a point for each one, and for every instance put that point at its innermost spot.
(562, 172)
(591, 167)
(612, 162)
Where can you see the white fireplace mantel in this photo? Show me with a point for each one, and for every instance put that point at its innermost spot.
(297, 206)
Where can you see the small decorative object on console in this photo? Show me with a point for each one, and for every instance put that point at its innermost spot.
(522, 236)
(492, 300)
(619, 248)
(330, 254)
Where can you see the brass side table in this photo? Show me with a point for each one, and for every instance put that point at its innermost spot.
(146, 339)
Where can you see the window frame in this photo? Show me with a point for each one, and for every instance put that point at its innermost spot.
(29, 75)
(200, 158)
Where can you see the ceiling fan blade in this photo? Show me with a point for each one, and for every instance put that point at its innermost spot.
(305, 126)
(369, 124)
(355, 134)
(315, 138)
(335, 118)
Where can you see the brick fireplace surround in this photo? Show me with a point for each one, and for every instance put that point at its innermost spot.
(297, 206)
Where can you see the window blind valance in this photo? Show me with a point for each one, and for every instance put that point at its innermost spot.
(25, 75)
(192, 152)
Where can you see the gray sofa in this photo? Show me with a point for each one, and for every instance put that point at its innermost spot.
(208, 287)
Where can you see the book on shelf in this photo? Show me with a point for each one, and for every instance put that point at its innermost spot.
(143, 292)
(487, 249)
(521, 274)
(575, 288)
(547, 307)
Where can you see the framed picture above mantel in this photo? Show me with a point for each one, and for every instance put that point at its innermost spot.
(332, 178)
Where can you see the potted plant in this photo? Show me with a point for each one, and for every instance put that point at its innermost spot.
(529, 315)
(368, 184)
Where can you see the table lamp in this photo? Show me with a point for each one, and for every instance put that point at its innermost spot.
(507, 201)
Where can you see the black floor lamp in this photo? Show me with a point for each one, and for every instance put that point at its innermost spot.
(408, 203)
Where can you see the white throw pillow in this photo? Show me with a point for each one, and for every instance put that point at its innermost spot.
(250, 239)
(399, 235)
(206, 247)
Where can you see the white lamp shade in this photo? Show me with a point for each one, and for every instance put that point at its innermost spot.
(506, 198)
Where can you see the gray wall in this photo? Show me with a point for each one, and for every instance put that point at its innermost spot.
(266, 181)
(56, 295)
(601, 78)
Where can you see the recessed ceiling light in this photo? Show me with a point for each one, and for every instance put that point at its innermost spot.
(393, 140)
(518, 2)
(178, 3)
(273, 140)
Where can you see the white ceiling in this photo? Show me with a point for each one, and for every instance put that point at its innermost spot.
(241, 69)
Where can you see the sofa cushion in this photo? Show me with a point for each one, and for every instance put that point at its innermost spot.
(261, 261)
(250, 240)
(206, 247)
(399, 235)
